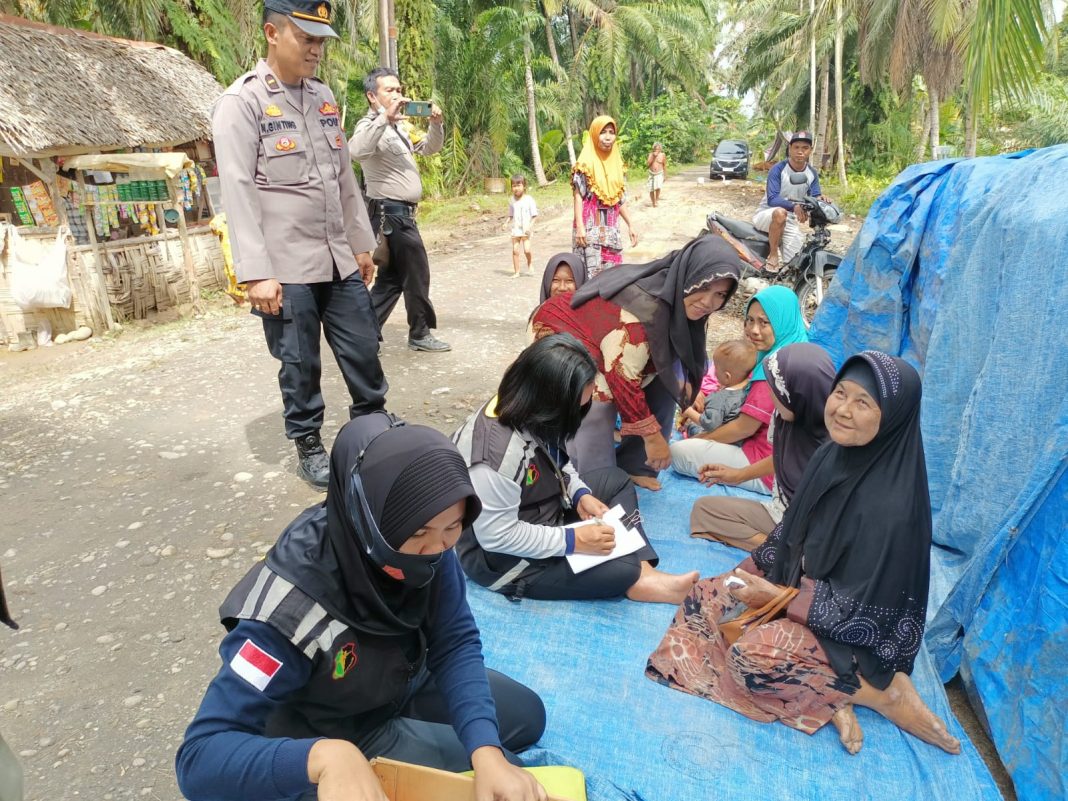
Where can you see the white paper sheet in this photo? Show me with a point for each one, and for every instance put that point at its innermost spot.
(628, 540)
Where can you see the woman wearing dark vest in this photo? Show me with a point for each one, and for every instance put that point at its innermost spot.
(353, 639)
(531, 494)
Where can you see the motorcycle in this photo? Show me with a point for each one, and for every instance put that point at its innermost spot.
(809, 273)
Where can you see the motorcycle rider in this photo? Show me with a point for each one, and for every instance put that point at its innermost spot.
(781, 213)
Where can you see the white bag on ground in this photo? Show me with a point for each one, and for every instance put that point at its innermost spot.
(42, 285)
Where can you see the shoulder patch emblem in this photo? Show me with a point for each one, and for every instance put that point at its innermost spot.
(273, 111)
(285, 144)
(255, 665)
(327, 108)
(345, 660)
(532, 475)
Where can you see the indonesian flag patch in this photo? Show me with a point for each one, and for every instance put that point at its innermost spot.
(255, 665)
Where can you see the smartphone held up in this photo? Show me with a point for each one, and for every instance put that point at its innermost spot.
(417, 108)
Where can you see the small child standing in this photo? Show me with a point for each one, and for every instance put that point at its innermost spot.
(521, 211)
(733, 361)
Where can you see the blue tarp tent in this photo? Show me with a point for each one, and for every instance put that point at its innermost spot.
(961, 268)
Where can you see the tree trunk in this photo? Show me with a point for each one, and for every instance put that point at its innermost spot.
(550, 39)
(820, 146)
(532, 118)
(555, 56)
(936, 132)
(812, 67)
(572, 25)
(839, 41)
(921, 146)
(971, 130)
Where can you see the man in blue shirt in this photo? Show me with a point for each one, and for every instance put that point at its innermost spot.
(781, 212)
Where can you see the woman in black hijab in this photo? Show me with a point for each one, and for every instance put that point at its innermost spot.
(354, 640)
(856, 541)
(644, 325)
(800, 378)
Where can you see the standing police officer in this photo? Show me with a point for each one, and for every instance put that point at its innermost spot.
(300, 233)
(386, 154)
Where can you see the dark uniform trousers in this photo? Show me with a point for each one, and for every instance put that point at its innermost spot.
(408, 270)
(342, 310)
(553, 579)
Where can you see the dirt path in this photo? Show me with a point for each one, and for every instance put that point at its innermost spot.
(141, 476)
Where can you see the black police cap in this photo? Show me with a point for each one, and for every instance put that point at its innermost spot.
(314, 18)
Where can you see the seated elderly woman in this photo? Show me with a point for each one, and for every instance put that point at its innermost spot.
(856, 541)
(532, 497)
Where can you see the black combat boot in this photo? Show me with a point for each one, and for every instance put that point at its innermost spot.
(314, 463)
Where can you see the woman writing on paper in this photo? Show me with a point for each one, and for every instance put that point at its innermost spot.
(532, 497)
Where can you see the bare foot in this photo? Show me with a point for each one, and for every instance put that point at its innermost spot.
(655, 586)
(749, 544)
(646, 482)
(902, 705)
(849, 731)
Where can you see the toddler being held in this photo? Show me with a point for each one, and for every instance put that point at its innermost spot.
(733, 362)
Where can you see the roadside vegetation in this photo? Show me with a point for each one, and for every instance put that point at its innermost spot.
(882, 83)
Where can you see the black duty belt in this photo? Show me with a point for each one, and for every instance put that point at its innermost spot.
(397, 208)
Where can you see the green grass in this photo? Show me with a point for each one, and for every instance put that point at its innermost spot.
(861, 192)
(451, 211)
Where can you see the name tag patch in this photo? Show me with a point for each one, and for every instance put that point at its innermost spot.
(276, 126)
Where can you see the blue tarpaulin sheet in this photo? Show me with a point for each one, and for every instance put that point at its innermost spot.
(960, 268)
(635, 739)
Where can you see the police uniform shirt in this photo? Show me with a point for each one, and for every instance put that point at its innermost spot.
(291, 199)
(387, 157)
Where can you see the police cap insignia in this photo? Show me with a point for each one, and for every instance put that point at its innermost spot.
(323, 12)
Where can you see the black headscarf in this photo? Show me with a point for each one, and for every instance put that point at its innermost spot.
(572, 260)
(860, 525)
(654, 292)
(800, 377)
(409, 474)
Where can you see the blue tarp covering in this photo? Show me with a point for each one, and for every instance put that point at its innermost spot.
(961, 269)
(636, 740)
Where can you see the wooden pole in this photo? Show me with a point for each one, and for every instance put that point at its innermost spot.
(383, 33)
(812, 67)
(187, 253)
(392, 35)
(98, 302)
(839, 42)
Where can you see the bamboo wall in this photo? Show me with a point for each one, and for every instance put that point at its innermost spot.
(138, 276)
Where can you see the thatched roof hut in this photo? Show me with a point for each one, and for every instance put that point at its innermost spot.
(64, 92)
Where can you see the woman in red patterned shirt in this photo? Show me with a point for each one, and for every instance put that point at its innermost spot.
(644, 325)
